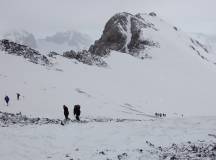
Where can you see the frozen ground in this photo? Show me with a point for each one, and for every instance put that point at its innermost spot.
(117, 104)
(133, 90)
(145, 140)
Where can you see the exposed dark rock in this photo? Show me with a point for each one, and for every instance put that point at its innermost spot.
(22, 50)
(175, 28)
(53, 54)
(7, 119)
(85, 57)
(153, 14)
(122, 156)
(123, 32)
(197, 43)
(71, 54)
(200, 150)
(102, 152)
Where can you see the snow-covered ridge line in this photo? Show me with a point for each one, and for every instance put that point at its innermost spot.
(24, 51)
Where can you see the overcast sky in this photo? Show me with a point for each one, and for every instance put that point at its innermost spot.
(43, 17)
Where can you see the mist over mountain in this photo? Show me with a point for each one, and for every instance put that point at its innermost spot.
(58, 42)
(22, 37)
(63, 41)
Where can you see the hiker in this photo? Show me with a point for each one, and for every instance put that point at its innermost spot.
(18, 96)
(7, 99)
(77, 111)
(66, 112)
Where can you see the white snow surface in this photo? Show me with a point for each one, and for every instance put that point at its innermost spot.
(208, 40)
(86, 141)
(128, 33)
(171, 83)
(175, 81)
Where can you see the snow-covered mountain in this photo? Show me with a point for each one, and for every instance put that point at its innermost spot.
(64, 41)
(151, 66)
(140, 34)
(166, 77)
(59, 42)
(22, 37)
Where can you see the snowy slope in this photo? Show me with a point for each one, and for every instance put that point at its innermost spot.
(182, 83)
(208, 40)
(177, 79)
(109, 140)
(58, 42)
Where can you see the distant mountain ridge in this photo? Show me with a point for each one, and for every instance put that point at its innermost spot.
(64, 41)
(24, 51)
(58, 42)
(22, 37)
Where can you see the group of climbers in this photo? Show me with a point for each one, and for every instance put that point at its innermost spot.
(76, 112)
(7, 99)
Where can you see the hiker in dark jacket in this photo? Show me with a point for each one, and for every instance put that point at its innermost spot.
(77, 111)
(66, 112)
(18, 96)
(7, 99)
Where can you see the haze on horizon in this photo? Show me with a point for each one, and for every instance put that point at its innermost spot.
(44, 17)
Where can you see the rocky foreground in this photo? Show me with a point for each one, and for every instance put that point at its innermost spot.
(187, 150)
(8, 119)
(191, 151)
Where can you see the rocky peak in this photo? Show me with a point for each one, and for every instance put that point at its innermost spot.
(122, 33)
(85, 57)
(153, 14)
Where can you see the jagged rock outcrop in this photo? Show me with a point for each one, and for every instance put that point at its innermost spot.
(85, 57)
(8, 119)
(153, 14)
(53, 54)
(22, 50)
(123, 32)
(201, 150)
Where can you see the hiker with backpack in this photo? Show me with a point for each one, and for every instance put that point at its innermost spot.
(18, 96)
(77, 112)
(66, 112)
(7, 99)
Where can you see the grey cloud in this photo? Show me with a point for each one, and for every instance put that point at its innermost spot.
(48, 16)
